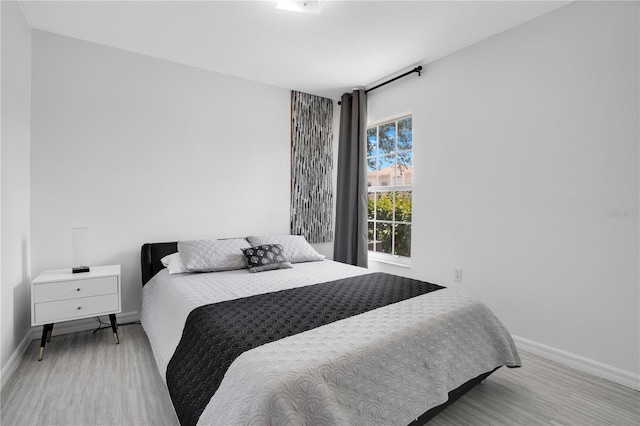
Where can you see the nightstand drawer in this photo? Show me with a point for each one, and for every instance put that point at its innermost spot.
(62, 290)
(64, 310)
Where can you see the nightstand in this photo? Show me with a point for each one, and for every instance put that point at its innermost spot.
(60, 295)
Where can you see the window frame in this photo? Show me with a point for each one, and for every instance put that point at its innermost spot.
(378, 256)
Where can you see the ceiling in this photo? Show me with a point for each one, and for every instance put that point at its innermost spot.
(348, 44)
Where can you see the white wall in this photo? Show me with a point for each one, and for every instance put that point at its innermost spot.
(144, 150)
(14, 225)
(523, 143)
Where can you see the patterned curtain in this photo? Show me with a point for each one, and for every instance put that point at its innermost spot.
(311, 167)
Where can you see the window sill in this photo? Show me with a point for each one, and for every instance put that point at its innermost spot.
(390, 260)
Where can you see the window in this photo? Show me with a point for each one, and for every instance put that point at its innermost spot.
(389, 183)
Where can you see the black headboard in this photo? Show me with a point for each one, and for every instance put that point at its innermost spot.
(150, 258)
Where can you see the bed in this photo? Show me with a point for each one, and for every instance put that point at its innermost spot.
(396, 363)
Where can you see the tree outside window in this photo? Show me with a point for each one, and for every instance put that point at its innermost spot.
(390, 183)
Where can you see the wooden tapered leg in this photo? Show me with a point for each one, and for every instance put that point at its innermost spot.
(114, 327)
(46, 334)
(49, 333)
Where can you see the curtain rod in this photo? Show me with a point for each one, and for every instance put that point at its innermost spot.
(417, 69)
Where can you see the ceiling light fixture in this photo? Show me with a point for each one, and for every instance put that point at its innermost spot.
(302, 6)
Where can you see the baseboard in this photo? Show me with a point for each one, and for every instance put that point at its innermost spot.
(14, 361)
(69, 327)
(579, 363)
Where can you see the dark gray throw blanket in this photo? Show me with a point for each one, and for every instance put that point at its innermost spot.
(215, 335)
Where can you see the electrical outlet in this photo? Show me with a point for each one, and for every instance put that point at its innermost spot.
(457, 275)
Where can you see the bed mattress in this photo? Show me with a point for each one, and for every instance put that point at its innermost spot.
(385, 366)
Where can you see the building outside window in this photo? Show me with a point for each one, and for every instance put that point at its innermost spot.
(390, 186)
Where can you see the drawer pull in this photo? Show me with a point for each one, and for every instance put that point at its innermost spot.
(79, 308)
(77, 289)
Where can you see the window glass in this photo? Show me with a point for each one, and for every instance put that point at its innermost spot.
(383, 240)
(402, 240)
(387, 138)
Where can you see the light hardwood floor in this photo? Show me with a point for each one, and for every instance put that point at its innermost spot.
(86, 379)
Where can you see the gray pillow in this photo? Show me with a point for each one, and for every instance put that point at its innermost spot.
(296, 246)
(213, 255)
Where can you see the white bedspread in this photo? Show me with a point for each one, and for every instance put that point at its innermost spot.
(386, 366)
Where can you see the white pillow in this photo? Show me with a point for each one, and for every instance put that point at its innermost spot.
(295, 246)
(213, 255)
(173, 263)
